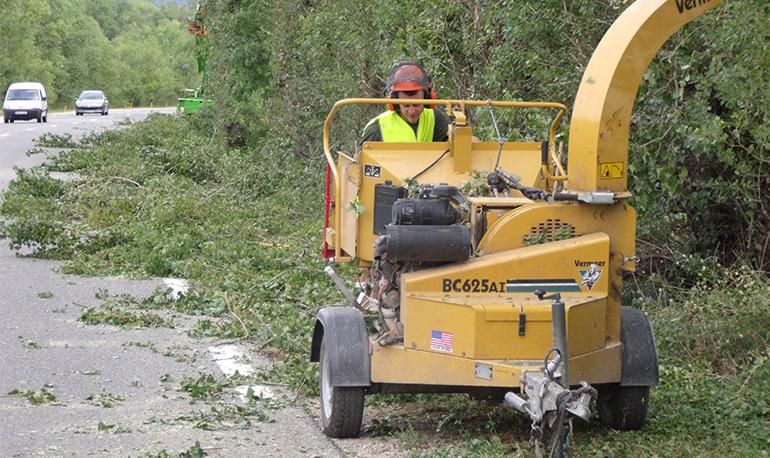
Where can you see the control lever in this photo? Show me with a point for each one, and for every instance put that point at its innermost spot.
(501, 181)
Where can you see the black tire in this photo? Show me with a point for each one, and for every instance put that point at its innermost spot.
(45, 118)
(5, 120)
(342, 408)
(623, 407)
(11, 120)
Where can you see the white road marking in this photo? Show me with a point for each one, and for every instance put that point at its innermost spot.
(4, 135)
(29, 129)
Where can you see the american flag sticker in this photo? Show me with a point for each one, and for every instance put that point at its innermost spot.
(441, 341)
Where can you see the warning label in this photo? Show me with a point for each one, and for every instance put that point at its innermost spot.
(611, 169)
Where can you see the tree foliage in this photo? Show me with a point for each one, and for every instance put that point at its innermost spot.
(138, 53)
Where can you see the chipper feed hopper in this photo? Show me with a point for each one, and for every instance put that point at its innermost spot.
(515, 295)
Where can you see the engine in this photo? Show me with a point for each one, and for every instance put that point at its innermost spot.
(416, 233)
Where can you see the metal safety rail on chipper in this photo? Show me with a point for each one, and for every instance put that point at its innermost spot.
(516, 295)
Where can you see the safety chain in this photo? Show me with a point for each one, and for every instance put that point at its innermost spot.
(536, 437)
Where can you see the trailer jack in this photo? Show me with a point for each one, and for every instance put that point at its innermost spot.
(550, 403)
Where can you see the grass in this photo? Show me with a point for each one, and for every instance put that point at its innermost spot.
(164, 198)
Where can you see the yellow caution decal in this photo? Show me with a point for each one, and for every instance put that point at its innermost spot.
(611, 169)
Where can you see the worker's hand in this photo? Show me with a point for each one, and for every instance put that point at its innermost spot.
(475, 139)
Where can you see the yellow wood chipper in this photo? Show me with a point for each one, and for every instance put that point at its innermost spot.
(515, 295)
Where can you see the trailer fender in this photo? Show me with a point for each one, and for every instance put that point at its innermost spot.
(344, 330)
(640, 358)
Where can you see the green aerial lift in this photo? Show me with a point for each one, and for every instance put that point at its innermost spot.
(194, 98)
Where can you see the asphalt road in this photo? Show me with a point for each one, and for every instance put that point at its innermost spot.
(117, 392)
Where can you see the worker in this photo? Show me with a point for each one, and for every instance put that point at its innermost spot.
(408, 123)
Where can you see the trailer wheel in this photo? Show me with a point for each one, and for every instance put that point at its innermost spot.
(342, 407)
(623, 407)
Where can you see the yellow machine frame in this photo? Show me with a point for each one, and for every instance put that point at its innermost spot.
(497, 328)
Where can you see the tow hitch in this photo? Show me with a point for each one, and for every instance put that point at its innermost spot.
(549, 401)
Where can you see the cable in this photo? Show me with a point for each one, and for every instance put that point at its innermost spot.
(500, 138)
(548, 372)
(431, 164)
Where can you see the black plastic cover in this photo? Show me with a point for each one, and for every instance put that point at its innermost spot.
(425, 212)
(385, 194)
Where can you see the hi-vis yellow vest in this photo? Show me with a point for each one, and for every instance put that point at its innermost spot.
(395, 129)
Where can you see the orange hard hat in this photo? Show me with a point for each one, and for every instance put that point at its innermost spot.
(408, 76)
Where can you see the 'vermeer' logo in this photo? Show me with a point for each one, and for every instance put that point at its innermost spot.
(687, 5)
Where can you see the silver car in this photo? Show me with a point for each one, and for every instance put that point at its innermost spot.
(92, 101)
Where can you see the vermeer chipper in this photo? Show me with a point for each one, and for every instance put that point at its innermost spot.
(515, 295)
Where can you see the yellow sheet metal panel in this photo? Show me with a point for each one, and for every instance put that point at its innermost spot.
(485, 211)
(460, 309)
(500, 339)
(618, 221)
(602, 366)
(454, 322)
(399, 365)
(350, 179)
(585, 326)
(398, 161)
(460, 148)
(513, 229)
(396, 364)
(598, 137)
(558, 260)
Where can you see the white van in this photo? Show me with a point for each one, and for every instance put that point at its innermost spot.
(25, 101)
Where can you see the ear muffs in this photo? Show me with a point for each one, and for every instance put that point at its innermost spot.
(392, 107)
(431, 94)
